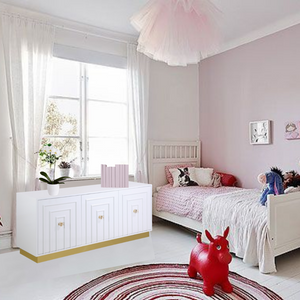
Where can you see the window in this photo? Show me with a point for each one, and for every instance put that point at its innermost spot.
(87, 114)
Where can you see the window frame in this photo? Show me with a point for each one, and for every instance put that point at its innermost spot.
(83, 99)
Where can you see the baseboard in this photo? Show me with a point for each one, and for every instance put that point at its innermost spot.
(5, 240)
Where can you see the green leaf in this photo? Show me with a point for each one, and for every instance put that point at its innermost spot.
(45, 175)
(44, 180)
(62, 178)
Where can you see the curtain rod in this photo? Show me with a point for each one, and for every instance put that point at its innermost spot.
(68, 28)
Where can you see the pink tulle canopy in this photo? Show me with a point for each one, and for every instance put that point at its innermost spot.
(178, 32)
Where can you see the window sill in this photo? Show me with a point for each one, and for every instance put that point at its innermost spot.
(84, 178)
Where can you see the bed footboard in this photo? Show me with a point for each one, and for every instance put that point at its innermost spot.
(284, 222)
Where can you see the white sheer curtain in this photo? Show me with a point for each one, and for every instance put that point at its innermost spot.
(138, 93)
(28, 47)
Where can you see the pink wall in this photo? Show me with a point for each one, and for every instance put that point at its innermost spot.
(257, 81)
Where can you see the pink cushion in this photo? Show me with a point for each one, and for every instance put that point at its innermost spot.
(168, 173)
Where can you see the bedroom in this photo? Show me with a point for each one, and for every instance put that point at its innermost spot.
(254, 77)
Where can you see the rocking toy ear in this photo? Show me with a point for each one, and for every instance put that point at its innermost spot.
(211, 239)
(226, 232)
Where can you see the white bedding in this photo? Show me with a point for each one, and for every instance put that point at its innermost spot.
(247, 219)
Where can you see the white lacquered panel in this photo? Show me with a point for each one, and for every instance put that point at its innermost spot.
(137, 210)
(59, 222)
(98, 216)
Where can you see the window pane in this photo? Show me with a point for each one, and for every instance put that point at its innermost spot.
(107, 119)
(66, 78)
(62, 117)
(106, 83)
(106, 151)
(69, 148)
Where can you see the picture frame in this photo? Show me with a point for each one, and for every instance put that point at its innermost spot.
(292, 130)
(260, 132)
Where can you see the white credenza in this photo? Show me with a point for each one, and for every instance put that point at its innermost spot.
(81, 219)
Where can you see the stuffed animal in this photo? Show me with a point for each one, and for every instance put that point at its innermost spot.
(1, 221)
(211, 262)
(291, 179)
(274, 183)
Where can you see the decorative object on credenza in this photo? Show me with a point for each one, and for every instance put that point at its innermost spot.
(164, 281)
(292, 130)
(178, 32)
(211, 261)
(64, 168)
(260, 132)
(117, 176)
(272, 182)
(52, 184)
(49, 156)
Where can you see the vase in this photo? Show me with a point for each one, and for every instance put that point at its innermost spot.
(64, 172)
(53, 189)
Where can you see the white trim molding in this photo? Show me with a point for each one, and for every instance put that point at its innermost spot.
(261, 33)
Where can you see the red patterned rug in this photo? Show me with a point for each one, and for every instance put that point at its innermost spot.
(164, 281)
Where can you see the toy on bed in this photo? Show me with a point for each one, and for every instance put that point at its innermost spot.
(274, 183)
(291, 179)
(211, 262)
(1, 221)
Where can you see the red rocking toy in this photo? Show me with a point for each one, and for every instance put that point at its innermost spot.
(211, 262)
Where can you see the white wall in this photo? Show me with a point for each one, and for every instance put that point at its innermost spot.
(174, 102)
(5, 151)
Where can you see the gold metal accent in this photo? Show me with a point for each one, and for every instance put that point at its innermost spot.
(61, 224)
(39, 259)
(100, 217)
(135, 211)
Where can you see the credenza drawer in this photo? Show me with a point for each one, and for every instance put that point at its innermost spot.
(135, 211)
(59, 224)
(98, 216)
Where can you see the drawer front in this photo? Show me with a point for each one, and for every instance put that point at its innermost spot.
(59, 224)
(136, 210)
(98, 216)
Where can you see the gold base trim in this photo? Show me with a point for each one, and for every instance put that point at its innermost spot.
(39, 259)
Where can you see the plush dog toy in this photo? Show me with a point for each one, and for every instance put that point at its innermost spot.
(274, 182)
(211, 262)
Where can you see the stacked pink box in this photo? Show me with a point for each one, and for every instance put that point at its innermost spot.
(114, 176)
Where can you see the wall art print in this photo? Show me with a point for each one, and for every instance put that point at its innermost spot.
(292, 130)
(260, 132)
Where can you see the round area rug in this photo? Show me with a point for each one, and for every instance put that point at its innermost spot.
(164, 281)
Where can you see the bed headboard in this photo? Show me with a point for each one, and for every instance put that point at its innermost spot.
(163, 153)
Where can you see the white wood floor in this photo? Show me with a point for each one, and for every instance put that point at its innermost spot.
(171, 244)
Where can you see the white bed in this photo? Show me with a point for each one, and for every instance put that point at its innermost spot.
(283, 222)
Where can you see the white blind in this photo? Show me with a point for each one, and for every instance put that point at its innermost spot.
(89, 56)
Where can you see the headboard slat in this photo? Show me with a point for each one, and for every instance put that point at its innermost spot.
(163, 153)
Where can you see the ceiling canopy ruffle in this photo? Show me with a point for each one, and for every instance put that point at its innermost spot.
(178, 32)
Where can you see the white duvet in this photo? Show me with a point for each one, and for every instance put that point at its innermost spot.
(247, 219)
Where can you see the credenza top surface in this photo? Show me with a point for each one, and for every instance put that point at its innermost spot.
(80, 190)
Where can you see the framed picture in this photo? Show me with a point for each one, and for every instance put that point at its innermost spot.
(292, 130)
(259, 132)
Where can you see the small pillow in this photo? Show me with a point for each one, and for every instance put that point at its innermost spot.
(227, 179)
(184, 177)
(204, 176)
(168, 173)
(216, 180)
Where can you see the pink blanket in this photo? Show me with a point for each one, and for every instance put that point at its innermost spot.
(187, 201)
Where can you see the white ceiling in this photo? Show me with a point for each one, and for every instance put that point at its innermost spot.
(243, 19)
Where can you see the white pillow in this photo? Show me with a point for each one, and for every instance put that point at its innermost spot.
(184, 177)
(204, 176)
(292, 189)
